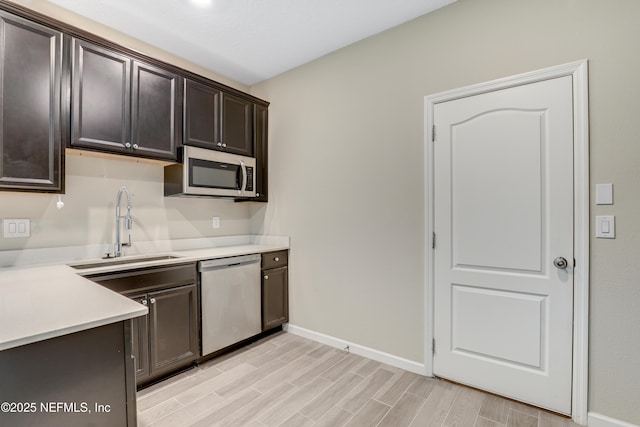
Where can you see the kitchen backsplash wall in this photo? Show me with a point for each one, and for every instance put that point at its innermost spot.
(87, 217)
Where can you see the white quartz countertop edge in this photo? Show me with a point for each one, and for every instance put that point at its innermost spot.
(180, 257)
(47, 301)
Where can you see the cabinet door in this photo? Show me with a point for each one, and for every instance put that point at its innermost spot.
(140, 332)
(173, 327)
(100, 99)
(236, 125)
(201, 115)
(156, 111)
(260, 141)
(31, 155)
(88, 366)
(275, 297)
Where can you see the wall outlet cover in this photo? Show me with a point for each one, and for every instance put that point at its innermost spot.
(16, 227)
(604, 194)
(606, 227)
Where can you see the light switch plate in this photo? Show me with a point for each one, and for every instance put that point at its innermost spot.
(604, 194)
(606, 227)
(16, 227)
(215, 223)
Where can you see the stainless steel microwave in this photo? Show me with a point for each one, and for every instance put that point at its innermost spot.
(203, 172)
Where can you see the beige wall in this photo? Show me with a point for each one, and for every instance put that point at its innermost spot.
(346, 177)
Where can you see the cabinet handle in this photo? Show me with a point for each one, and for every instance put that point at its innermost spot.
(266, 277)
(135, 146)
(153, 300)
(219, 144)
(224, 145)
(128, 145)
(143, 302)
(276, 259)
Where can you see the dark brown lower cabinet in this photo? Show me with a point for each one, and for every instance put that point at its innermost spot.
(275, 289)
(81, 379)
(140, 333)
(173, 327)
(167, 339)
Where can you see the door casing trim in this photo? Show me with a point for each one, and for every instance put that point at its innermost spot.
(579, 72)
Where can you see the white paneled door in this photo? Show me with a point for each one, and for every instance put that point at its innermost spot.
(503, 266)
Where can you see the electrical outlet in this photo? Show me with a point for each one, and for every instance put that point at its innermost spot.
(216, 222)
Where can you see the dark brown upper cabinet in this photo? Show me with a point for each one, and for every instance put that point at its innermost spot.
(100, 98)
(121, 105)
(236, 124)
(217, 120)
(261, 148)
(201, 115)
(31, 152)
(156, 111)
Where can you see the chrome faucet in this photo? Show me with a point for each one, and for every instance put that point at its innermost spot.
(128, 223)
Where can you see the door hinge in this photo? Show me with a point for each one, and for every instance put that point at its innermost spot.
(433, 240)
(433, 346)
(433, 133)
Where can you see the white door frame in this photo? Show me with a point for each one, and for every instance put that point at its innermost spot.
(578, 71)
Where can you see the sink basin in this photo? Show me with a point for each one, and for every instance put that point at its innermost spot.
(120, 261)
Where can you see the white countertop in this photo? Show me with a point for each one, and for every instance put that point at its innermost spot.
(46, 301)
(180, 257)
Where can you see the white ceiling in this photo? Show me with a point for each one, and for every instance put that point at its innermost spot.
(251, 40)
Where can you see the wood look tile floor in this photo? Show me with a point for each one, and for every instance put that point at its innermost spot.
(286, 380)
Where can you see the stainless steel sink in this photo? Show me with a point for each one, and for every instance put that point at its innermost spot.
(119, 261)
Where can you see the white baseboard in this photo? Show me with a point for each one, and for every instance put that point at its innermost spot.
(599, 420)
(360, 350)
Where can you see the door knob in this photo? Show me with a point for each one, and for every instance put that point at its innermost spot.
(560, 262)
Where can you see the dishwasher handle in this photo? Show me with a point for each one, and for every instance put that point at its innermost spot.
(213, 264)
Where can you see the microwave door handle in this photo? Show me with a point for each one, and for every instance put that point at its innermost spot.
(244, 177)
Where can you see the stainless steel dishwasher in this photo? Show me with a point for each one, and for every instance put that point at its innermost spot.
(230, 301)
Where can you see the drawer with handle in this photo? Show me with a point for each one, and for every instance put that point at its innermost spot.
(275, 259)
